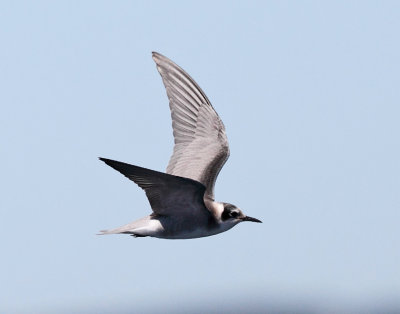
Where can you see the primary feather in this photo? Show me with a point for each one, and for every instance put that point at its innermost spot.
(201, 146)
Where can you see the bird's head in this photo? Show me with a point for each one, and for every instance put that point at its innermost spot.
(233, 215)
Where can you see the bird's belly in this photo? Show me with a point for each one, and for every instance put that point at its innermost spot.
(187, 230)
(198, 233)
(172, 227)
(178, 227)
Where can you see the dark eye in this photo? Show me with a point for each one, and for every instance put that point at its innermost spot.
(234, 214)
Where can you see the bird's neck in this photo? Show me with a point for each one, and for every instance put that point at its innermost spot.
(215, 208)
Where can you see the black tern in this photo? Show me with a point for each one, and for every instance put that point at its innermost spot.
(182, 199)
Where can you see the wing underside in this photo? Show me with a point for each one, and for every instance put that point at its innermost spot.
(201, 146)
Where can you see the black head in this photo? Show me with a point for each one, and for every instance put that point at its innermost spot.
(232, 213)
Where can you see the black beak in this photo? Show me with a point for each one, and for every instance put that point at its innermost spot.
(247, 218)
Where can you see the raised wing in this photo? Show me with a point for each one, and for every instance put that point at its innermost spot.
(167, 194)
(201, 146)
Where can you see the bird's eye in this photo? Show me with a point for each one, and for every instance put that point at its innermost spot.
(234, 214)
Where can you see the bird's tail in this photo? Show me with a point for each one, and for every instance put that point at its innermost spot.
(104, 232)
(116, 231)
(130, 228)
(123, 229)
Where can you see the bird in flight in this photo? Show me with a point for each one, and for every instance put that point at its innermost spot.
(182, 199)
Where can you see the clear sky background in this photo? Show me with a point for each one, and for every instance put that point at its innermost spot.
(309, 94)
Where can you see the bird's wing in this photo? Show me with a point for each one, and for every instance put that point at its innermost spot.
(201, 146)
(167, 194)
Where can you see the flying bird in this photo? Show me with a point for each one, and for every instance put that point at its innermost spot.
(182, 199)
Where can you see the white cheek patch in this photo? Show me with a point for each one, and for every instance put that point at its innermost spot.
(219, 208)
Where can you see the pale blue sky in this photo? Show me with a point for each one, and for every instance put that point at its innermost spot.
(309, 94)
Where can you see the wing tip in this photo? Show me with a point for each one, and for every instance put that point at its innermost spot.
(161, 60)
(157, 56)
(110, 162)
(103, 159)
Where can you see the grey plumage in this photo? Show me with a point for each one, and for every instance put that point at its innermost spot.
(182, 199)
(167, 194)
(201, 146)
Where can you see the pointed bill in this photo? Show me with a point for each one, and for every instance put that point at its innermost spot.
(248, 218)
